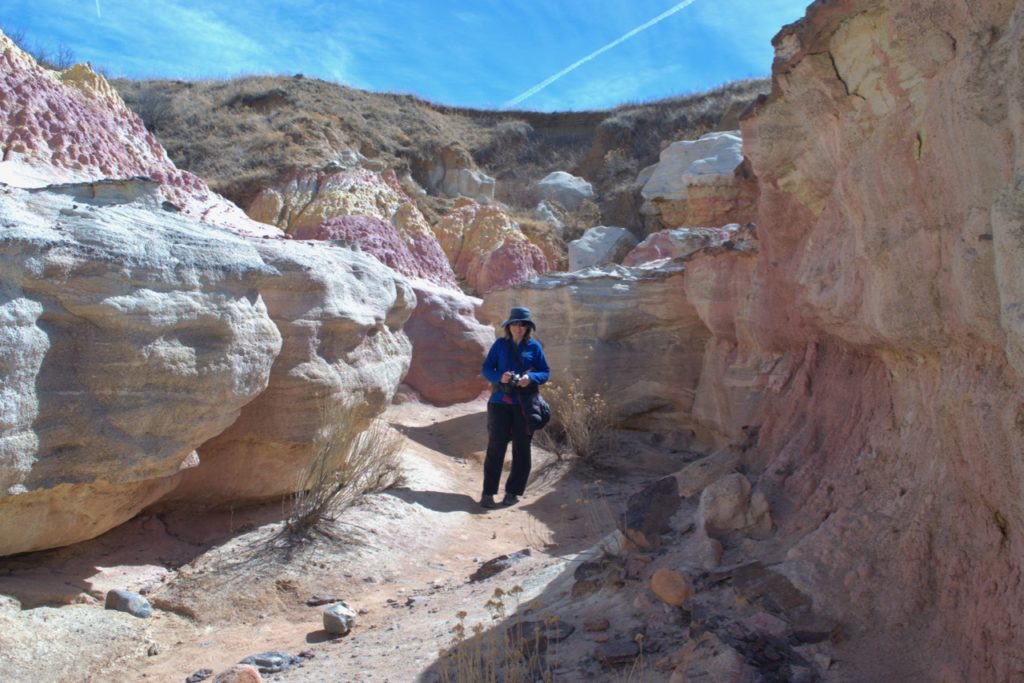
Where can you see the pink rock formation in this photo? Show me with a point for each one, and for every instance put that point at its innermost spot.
(486, 248)
(449, 345)
(73, 127)
(325, 204)
(875, 354)
(677, 243)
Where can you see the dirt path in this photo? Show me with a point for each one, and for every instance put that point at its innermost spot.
(403, 559)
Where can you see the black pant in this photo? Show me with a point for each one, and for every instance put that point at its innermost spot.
(506, 423)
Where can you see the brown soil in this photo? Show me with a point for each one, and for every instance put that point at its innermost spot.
(223, 589)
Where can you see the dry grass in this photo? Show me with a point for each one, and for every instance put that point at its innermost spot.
(580, 423)
(519, 652)
(347, 463)
(241, 134)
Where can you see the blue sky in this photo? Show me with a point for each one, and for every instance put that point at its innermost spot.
(479, 53)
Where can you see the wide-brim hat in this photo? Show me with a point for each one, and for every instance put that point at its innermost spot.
(519, 314)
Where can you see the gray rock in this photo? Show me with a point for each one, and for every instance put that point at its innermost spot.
(565, 188)
(498, 564)
(200, 675)
(130, 602)
(600, 245)
(339, 619)
(648, 512)
(271, 662)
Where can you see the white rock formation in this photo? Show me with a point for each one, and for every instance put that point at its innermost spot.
(130, 335)
(565, 188)
(711, 158)
(599, 245)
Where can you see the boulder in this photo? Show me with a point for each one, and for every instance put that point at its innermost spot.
(486, 247)
(448, 345)
(599, 245)
(724, 505)
(341, 315)
(131, 336)
(73, 127)
(565, 188)
(702, 182)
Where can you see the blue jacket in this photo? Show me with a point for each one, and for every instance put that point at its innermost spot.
(500, 358)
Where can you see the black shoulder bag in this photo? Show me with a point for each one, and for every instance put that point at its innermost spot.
(538, 413)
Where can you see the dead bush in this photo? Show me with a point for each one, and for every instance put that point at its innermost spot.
(580, 422)
(347, 463)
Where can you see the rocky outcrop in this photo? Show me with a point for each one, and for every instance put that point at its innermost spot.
(880, 327)
(131, 336)
(568, 190)
(486, 248)
(449, 345)
(701, 182)
(73, 127)
(304, 201)
(451, 170)
(595, 325)
(599, 245)
(340, 315)
(678, 243)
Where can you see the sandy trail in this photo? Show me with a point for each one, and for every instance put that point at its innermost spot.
(403, 558)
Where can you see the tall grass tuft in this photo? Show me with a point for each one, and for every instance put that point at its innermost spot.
(580, 423)
(347, 463)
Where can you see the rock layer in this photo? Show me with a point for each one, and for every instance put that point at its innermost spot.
(131, 336)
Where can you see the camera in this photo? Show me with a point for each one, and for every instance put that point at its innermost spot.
(510, 386)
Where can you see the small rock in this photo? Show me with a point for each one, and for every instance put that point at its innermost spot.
(617, 653)
(498, 565)
(130, 602)
(648, 512)
(200, 675)
(271, 662)
(240, 673)
(339, 619)
(363, 611)
(153, 650)
(671, 586)
(318, 600)
(635, 567)
(596, 625)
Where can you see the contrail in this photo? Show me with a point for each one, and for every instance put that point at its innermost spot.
(624, 37)
(98, 9)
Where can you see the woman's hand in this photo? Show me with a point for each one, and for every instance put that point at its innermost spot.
(506, 377)
(524, 381)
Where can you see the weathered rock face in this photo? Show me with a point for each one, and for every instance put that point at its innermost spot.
(305, 200)
(341, 315)
(599, 245)
(882, 321)
(678, 243)
(449, 345)
(130, 336)
(701, 182)
(453, 172)
(596, 323)
(565, 188)
(486, 248)
(73, 127)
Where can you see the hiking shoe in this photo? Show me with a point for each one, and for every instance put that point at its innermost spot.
(487, 501)
(509, 499)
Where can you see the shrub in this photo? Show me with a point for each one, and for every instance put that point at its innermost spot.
(347, 463)
(580, 422)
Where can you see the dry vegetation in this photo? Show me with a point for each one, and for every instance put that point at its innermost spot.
(241, 134)
(581, 423)
(347, 463)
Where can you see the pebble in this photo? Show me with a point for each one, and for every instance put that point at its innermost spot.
(339, 619)
(130, 602)
(200, 675)
(271, 662)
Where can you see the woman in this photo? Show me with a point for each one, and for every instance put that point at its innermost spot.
(516, 367)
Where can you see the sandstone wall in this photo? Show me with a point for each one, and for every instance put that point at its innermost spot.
(882, 321)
